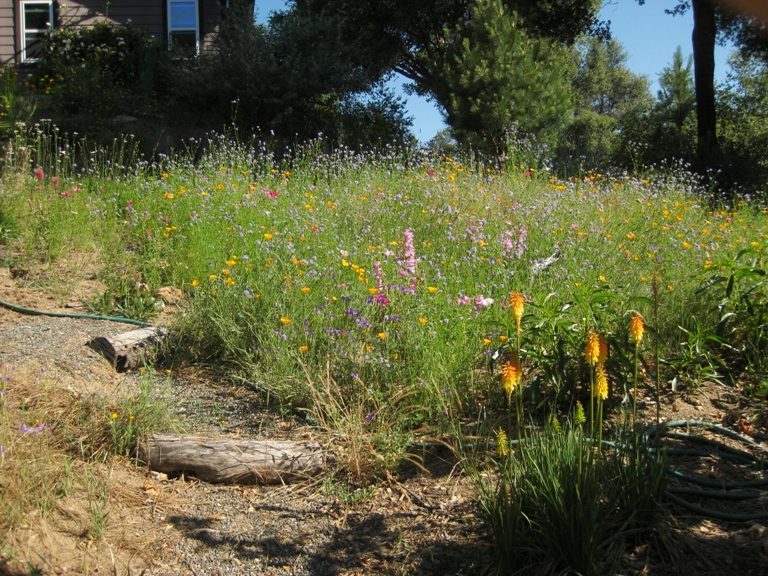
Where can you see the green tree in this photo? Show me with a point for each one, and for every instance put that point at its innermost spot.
(608, 98)
(669, 130)
(494, 77)
(710, 21)
(296, 76)
(677, 98)
(491, 65)
(743, 121)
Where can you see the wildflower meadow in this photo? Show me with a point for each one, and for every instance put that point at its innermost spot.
(391, 295)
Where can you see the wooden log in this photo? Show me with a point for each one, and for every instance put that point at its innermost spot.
(239, 461)
(130, 350)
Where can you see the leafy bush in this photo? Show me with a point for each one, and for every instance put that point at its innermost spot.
(98, 70)
(14, 106)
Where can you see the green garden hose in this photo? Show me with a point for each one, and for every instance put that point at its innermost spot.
(719, 490)
(30, 311)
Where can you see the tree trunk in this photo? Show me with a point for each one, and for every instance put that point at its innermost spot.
(239, 461)
(704, 31)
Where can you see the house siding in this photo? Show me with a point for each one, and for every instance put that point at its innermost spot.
(147, 14)
(7, 37)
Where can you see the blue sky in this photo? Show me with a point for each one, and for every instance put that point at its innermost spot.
(649, 36)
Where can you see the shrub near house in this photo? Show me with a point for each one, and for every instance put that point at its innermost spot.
(101, 70)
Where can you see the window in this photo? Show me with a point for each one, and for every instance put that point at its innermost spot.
(36, 20)
(183, 27)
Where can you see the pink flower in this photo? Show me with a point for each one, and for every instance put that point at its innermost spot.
(378, 274)
(481, 302)
(55, 181)
(39, 174)
(462, 300)
(381, 299)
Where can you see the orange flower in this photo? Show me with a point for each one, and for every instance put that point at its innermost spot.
(636, 328)
(602, 346)
(511, 372)
(601, 383)
(517, 303)
(592, 352)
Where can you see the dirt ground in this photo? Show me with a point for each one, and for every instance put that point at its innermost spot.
(423, 521)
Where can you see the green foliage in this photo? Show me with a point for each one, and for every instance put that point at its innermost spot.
(98, 70)
(494, 77)
(15, 107)
(561, 504)
(743, 122)
(295, 78)
(126, 302)
(608, 99)
(741, 302)
(135, 417)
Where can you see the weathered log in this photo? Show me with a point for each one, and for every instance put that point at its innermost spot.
(239, 461)
(130, 350)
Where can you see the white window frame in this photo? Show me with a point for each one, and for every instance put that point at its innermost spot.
(23, 26)
(196, 29)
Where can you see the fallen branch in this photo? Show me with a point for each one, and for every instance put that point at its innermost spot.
(233, 460)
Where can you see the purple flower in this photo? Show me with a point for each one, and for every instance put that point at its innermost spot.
(370, 416)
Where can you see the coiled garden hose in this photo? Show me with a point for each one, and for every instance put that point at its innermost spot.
(718, 490)
(31, 312)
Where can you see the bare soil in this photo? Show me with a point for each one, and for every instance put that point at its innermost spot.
(423, 521)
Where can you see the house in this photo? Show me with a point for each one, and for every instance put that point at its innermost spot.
(185, 24)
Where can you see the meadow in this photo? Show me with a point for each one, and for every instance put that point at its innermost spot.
(371, 293)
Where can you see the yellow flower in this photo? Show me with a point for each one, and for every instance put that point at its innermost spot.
(382, 335)
(503, 338)
(487, 341)
(285, 320)
(268, 236)
(636, 328)
(305, 290)
(114, 415)
(195, 283)
(502, 447)
(212, 277)
(579, 418)
(304, 348)
(601, 382)
(431, 289)
(592, 351)
(229, 281)
(511, 372)
(344, 262)
(373, 291)
(517, 303)
(423, 320)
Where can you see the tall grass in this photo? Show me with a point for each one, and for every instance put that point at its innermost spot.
(556, 504)
(52, 443)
